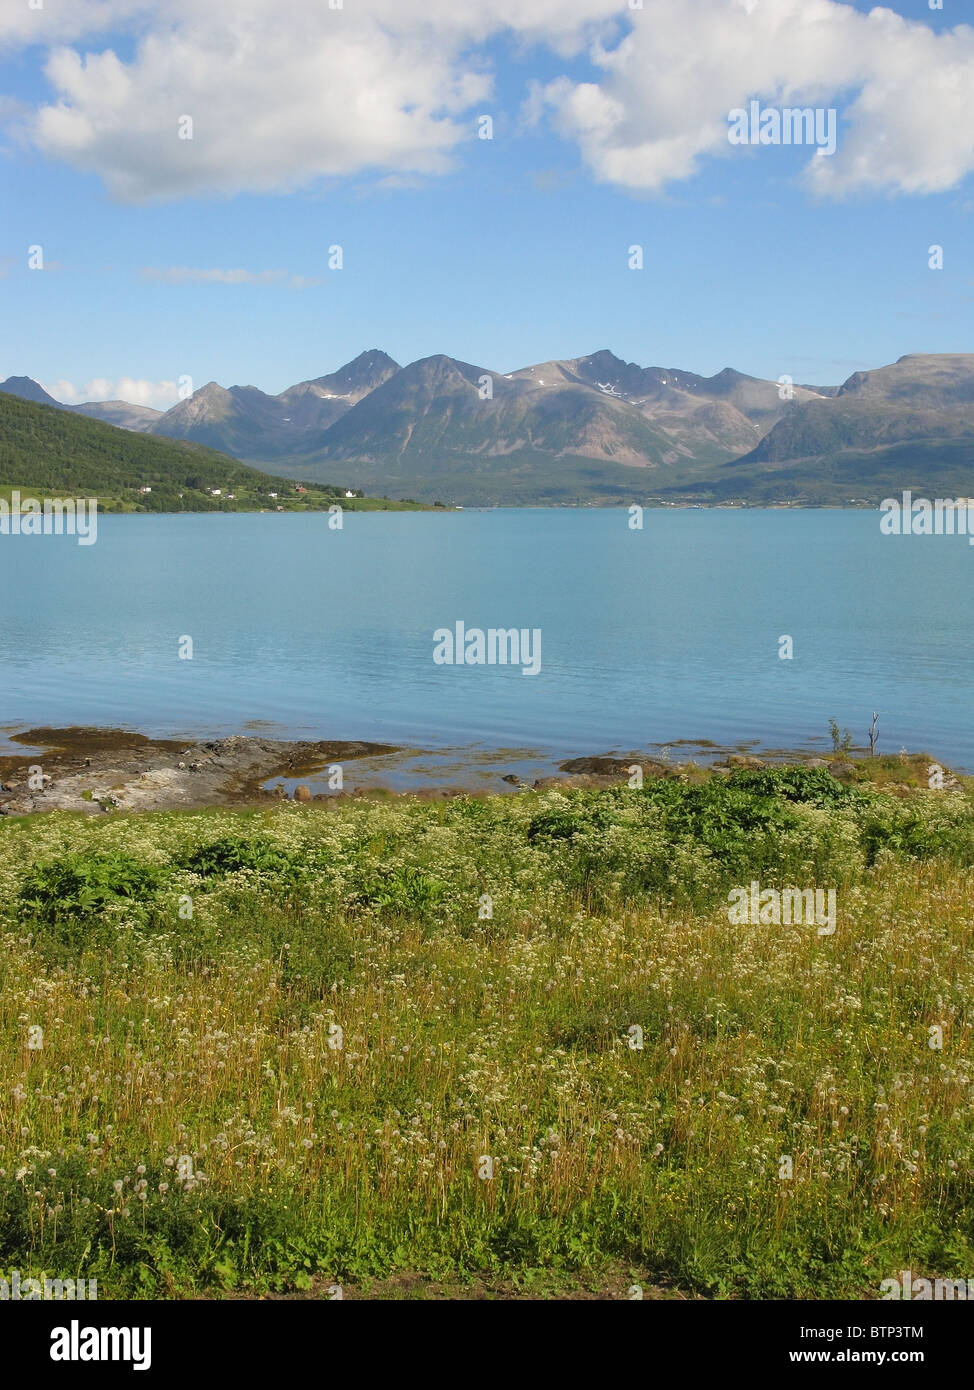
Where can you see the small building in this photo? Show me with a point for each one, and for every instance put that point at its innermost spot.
(145, 489)
(215, 491)
(349, 493)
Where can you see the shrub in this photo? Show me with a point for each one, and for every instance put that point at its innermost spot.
(82, 885)
(841, 738)
(405, 889)
(566, 824)
(230, 855)
(802, 784)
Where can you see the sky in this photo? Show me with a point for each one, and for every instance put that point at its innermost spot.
(169, 261)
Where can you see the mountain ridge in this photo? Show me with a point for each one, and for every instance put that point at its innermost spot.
(586, 428)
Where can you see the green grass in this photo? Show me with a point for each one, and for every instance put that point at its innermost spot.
(338, 1035)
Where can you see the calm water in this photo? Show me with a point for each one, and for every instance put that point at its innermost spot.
(647, 636)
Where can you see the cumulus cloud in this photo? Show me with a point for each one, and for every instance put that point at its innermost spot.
(159, 395)
(904, 94)
(282, 93)
(183, 275)
(63, 21)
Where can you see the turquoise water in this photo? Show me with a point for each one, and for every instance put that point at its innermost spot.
(647, 637)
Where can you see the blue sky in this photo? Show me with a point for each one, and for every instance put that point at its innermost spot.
(504, 252)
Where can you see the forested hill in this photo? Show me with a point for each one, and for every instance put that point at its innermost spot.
(50, 452)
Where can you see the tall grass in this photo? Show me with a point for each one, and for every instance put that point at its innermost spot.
(304, 1077)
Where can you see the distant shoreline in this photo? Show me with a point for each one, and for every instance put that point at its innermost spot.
(391, 505)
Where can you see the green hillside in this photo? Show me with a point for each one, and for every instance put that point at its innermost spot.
(48, 452)
(929, 468)
(524, 478)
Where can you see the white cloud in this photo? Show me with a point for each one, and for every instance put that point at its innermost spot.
(159, 395)
(904, 94)
(183, 275)
(283, 93)
(63, 21)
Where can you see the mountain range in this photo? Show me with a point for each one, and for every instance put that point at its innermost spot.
(591, 428)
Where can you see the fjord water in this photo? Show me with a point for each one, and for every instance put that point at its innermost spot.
(648, 636)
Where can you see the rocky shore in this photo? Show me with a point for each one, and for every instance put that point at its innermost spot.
(97, 770)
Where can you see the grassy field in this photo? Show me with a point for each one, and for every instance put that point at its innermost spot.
(300, 1084)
